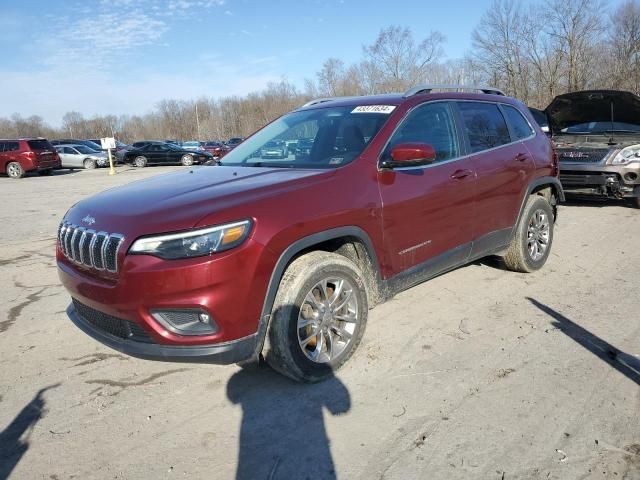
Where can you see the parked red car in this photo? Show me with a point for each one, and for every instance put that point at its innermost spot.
(217, 149)
(19, 156)
(284, 257)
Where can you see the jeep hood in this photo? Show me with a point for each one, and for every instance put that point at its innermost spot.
(180, 200)
(592, 106)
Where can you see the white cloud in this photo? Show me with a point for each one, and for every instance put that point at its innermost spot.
(91, 64)
(51, 94)
(102, 38)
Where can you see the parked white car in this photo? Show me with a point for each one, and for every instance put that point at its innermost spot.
(81, 156)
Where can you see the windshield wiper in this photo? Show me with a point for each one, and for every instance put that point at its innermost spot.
(269, 164)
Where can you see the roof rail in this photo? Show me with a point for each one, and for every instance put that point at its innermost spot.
(458, 88)
(327, 99)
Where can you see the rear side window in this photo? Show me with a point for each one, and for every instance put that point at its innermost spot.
(9, 146)
(433, 124)
(39, 145)
(519, 125)
(485, 125)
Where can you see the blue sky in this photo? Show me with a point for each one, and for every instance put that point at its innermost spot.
(123, 56)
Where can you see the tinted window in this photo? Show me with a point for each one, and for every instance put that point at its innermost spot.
(540, 117)
(432, 124)
(39, 145)
(519, 125)
(3, 146)
(69, 151)
(12, 147)
(484, 124)
(157, 148)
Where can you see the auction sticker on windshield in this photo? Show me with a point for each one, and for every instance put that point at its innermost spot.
(374, 109)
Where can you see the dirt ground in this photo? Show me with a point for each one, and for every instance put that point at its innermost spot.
(478, 374)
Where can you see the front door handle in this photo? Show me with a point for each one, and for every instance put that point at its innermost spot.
(460, 174)
(521, 157)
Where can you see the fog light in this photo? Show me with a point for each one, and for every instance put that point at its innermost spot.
(186, 321)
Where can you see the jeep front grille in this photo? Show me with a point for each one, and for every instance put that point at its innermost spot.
(90, 248)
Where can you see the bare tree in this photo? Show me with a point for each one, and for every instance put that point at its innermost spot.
(578, 27)
(500, 47)
(624, 41)
(398, 61)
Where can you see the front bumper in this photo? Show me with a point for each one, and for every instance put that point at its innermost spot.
(621, 181)
(230, 286)
(222, 353)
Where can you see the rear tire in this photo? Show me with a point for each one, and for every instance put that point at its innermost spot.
(140, 161)
(89, 164)
(635, 202)
(15, 170)
(187, 160)
(318, 318)
(531, 244)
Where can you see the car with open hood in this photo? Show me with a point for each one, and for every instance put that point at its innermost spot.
(596, 134)
(282, 257)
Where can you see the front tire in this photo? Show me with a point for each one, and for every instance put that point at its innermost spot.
(318, 318)
(15, 170)
(89, 164)
(531, 244)
(187, 160)
(140, 161)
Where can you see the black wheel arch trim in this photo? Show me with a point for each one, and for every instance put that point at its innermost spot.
(290, 253)
(539, 182)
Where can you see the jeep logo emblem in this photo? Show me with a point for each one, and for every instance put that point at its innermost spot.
(89, 220)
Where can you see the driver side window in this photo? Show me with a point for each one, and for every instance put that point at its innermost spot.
(432, 124)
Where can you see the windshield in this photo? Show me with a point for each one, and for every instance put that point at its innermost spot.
(318, 138)
(84, 149)
(602, 127)
(191, 144)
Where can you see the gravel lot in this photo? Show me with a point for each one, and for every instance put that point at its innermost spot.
(479, 374)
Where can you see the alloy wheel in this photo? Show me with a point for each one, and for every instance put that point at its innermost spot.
(327, 320)
(14, 170)
(538, 235)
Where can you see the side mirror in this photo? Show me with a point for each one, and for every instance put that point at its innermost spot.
(410, 155)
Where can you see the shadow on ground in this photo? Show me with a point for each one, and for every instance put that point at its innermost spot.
(594, 201)
(283, 435)
(14, 440)
(628, 365)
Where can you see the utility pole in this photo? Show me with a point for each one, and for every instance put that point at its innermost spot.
(197, 122)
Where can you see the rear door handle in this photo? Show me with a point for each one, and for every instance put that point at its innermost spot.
(460, 174)
(521, 157)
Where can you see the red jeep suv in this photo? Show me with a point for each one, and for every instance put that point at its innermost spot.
(19, 156)
(283, 257)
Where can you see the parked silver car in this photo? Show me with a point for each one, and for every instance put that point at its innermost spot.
(81, 156)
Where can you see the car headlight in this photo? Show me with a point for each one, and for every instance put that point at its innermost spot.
(193, 243)
(627, 155)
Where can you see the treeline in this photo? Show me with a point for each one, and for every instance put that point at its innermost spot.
(534, 51)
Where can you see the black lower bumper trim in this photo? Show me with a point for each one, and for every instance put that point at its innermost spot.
(222, 353)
